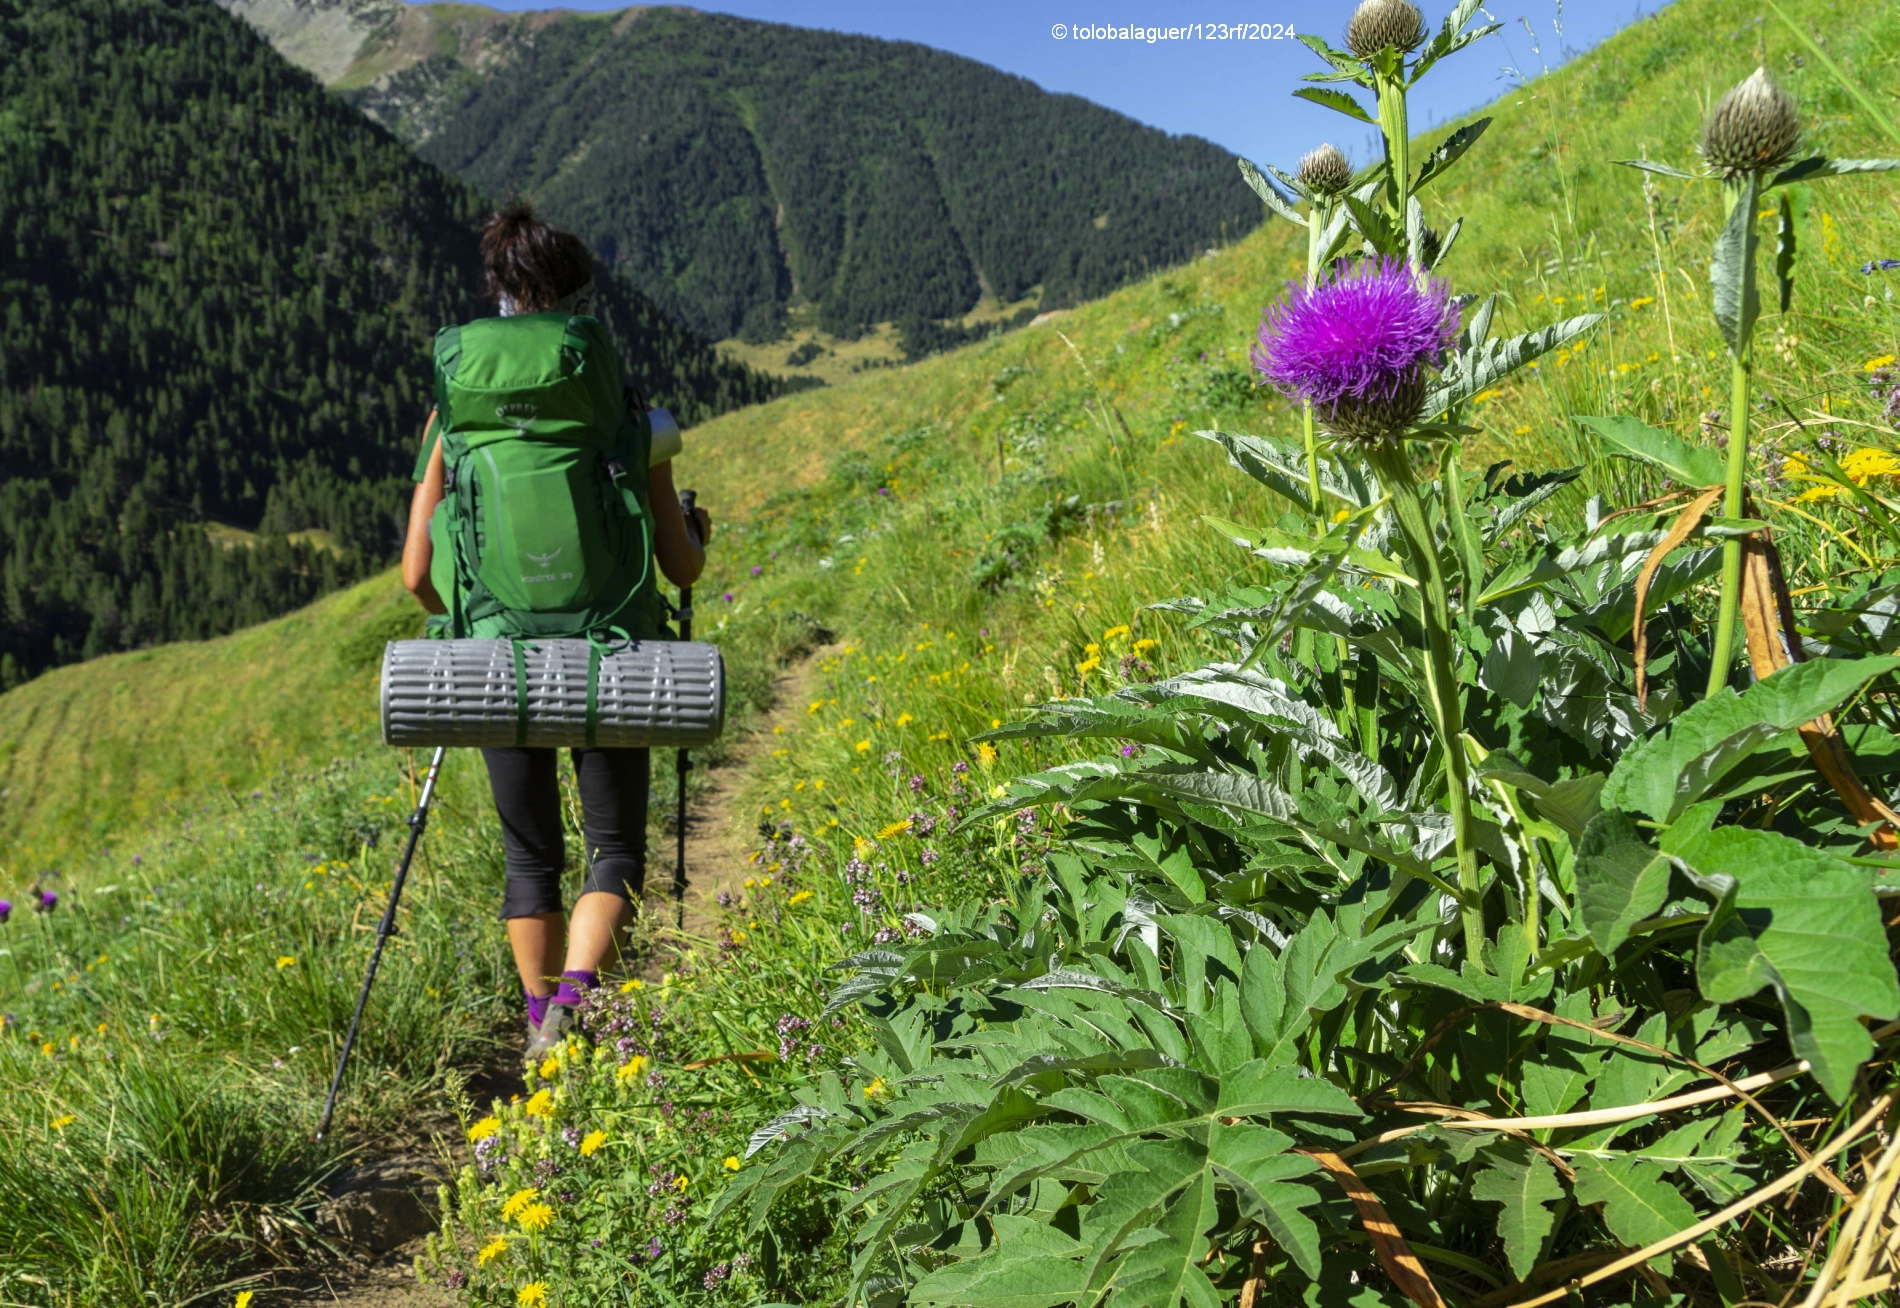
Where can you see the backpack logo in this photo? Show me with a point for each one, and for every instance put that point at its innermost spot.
(543, 559)
(517, 415)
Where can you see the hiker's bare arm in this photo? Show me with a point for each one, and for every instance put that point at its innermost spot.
(416, 551)
(681, 557)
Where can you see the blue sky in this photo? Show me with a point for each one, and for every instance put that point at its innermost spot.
(1235, 93)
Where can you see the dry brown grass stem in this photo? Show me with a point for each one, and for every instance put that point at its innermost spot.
(1785, 1182)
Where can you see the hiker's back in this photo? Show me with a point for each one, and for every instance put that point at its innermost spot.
(544, 528)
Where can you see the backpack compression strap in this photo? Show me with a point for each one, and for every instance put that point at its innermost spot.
(521, 694)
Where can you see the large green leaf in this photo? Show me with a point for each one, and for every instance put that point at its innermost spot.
(1732, 269)
(1620, 879)
(1665, 772)
(1631, 438)
(1030, 1265)
(1293, 551)
(1254, 1161)
(1549, 562)
(1166, 1269)
(1448, 153)
(1526, 1185)
(1338, 101)
(1809, 169)
(1473, 370)
(1806, 923)
(1639, 1207)
(1257, 1090)
(1270, 196)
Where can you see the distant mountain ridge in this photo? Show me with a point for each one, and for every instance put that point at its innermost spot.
(732, 168)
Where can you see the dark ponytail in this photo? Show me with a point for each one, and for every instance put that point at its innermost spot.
(529, 262)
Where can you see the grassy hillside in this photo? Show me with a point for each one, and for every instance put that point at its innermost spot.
(1554, 223)
(96, 752)
(966, 535)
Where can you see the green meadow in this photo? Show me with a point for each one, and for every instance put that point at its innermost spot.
(931, 549)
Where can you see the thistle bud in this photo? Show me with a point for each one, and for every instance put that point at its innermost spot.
(1753, 128)
(1325, 171)
(1376, 24)
(1376, 419)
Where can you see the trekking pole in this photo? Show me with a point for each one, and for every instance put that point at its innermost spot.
(681, 763)
(417, 820)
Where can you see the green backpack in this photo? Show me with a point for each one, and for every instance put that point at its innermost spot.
(544, 527)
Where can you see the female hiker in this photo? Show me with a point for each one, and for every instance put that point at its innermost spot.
(542, 501)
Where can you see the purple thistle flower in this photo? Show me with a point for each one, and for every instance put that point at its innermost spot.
(49, 900)
(1356, 347)
(6, 909)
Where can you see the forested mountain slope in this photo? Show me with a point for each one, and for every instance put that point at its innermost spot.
(732, 167)
(219, 287)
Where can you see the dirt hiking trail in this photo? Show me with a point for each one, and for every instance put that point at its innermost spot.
(718, 839)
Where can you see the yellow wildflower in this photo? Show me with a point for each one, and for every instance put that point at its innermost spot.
(815, 706)
(483, 1129)
(1114, 633)
(535, 1217)
(875, 1088)
(593, 1142)
(732, 1162)
(863, 747)
(940, 735)
(517, 1201)
(894, 829)
(286, 960)
(680, 1185)
(749, 883)
(628, 987)
(244, 1299)
(494, 1249)
(905, 719)
(540, 1104)
(1642, 301)
(549, 1066)
(1877, 363)
(1861, 466)
(1144, 645)
(819, 784)
(631, 1068)
(63, 1121)
(532, 1295)
(800, 897)
(1867, 463)
(985, 753)
(1088, 665)
(860, 846)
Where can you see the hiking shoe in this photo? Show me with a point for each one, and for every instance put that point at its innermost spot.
(551, 1034)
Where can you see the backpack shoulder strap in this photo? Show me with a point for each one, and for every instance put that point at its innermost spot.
(448, 356)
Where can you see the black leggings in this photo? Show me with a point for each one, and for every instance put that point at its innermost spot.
(613, 785)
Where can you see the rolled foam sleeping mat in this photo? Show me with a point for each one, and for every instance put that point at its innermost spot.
(474, 693)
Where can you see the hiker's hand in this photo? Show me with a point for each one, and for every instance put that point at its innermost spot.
(699, 522)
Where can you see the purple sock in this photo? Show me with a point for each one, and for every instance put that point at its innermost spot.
(538, 1007)
(574, 986)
